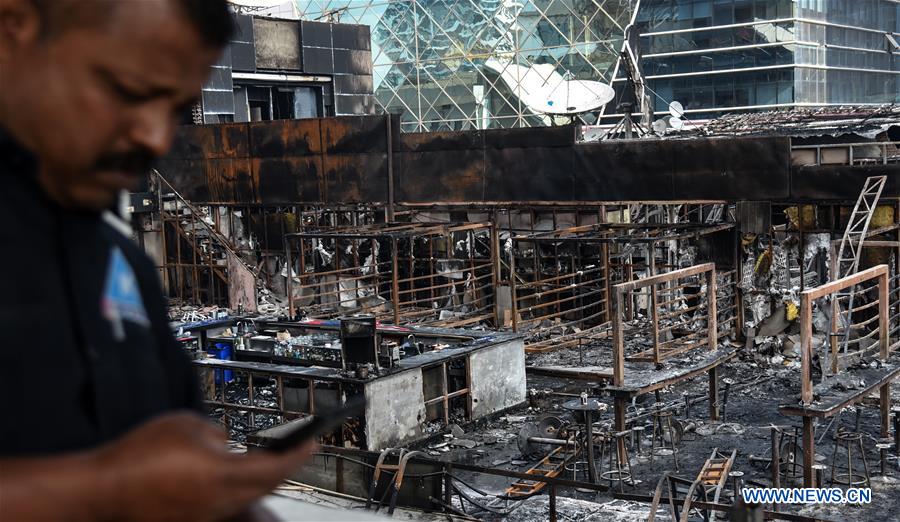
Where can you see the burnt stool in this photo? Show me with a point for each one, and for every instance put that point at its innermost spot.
(789, 451)
(841, 474)
(619, 470)
(663, 427)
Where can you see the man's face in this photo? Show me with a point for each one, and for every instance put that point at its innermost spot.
(98, 103)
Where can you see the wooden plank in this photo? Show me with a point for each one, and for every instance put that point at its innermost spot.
(593, 374)
(667, 378)
(881, 244)
(827, 409)
(846, 282)
(629, 286)
(618, 342)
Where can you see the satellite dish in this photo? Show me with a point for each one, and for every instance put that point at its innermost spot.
(544, 90)
(676, 123)
(676, 109)
(660, 126)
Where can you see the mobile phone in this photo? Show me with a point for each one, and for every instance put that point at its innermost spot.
(319, 424)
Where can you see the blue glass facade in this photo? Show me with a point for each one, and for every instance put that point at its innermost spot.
(719, 56)
(429, 55)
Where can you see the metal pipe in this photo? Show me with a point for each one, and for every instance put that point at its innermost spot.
(390, 169)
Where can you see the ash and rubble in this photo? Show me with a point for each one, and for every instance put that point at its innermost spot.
(759, 384)
(764, 375)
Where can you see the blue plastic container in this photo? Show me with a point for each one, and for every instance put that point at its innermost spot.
(222, 351)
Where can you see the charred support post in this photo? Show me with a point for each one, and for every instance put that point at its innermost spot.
(809, 452)
(290, 276)
(712, 322)
(885, 404)
(776, 459)
(607, 283)
(395, 281)
(448, 485)
(654, 319)
(629, 276)
(552, 503)
(339, 475)
(620, 405)
(714, 393)
(589, 442)
(512, 288)
(896, 413)
(495, 268)
(884, 311)
(738, 292)
(713, 334)
(618, 331)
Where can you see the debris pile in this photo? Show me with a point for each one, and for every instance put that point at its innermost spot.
(862, 121)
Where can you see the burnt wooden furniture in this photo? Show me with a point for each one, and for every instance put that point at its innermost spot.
(831, 402)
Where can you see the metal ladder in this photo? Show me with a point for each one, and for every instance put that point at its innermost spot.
(710, 482)
(852, 246)
(551, 466)
(715, 214)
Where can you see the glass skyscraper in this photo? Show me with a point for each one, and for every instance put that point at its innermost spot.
(717, 56)
(713, 56)
(429, 55)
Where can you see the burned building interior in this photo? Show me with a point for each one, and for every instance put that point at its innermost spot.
(548, 326)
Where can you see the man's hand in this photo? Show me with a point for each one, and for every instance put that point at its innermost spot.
(175, 467)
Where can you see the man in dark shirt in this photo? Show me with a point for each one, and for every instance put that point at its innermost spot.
(101, 413)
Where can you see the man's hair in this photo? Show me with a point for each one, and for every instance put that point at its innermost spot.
(211, 18)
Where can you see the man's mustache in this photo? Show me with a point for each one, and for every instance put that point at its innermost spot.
(134, 162)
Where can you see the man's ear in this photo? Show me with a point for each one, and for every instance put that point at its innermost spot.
(20, 26)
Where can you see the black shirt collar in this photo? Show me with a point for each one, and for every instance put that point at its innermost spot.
(14, 157)
(19, 168)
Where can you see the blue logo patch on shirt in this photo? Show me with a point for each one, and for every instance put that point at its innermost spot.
(122, 296)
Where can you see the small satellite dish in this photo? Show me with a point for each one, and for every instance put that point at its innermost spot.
(676, 109)
(676, 123)
(660, 126)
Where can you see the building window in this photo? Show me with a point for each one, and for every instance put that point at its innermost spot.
(262, 103)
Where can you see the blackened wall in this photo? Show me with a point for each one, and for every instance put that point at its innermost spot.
(344, 160)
